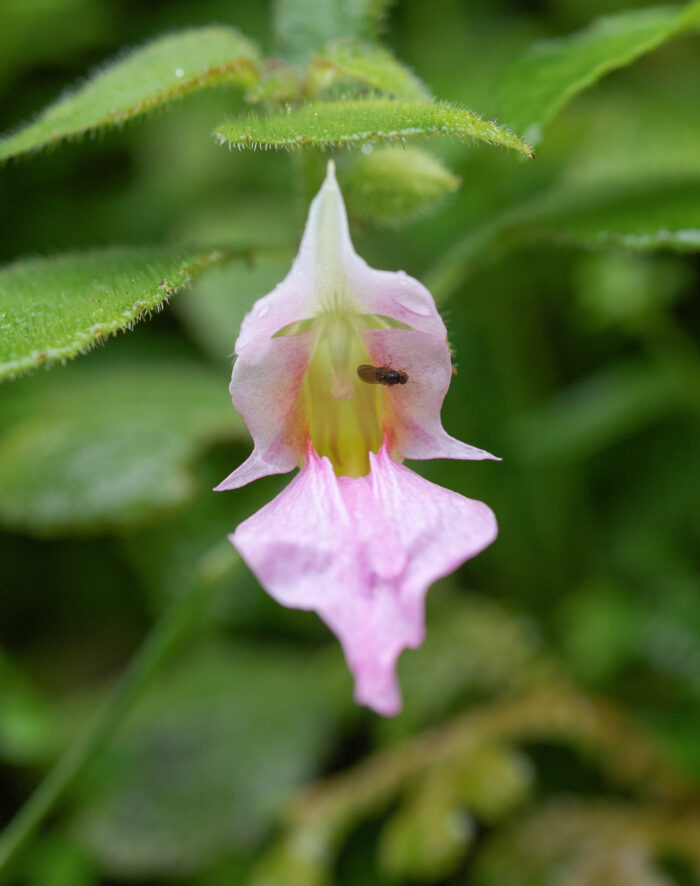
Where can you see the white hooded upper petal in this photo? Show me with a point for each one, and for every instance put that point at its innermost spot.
(328, 269)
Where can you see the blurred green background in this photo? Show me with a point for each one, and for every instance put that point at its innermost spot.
(560, 682)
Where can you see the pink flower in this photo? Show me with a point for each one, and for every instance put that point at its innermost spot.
(356, 536)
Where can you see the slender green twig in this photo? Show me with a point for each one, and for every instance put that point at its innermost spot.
(184, 614)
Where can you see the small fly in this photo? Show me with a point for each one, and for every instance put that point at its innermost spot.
(382, 375)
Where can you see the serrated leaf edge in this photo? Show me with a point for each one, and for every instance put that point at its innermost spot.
(84, 340)
(217, 75)
(376, 137)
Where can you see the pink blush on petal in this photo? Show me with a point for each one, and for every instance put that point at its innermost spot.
(265, 391)
(362, 552)
(415, 423)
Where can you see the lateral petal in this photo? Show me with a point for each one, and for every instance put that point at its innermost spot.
(414, 423)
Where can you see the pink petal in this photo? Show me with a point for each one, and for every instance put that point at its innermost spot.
(362, 553)
(414, 420)
(265, 391)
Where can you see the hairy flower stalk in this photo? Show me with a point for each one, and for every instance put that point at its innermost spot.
(356, 536)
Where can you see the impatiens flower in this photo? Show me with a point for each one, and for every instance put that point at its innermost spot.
(356, 536)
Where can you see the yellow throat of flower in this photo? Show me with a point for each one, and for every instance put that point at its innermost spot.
(345, 415)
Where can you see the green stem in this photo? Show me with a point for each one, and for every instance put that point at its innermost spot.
(177, 622)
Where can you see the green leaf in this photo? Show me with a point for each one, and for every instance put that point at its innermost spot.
(54, 308)
(95, 447)
(159, 72)
(664, 215)
(367, 63)
(632, 134)
(335, 124)
(642, 216)
(393, 185)
(206, 757)
(539, 83)
(303, 26)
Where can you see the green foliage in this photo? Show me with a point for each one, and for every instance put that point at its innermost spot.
(302, 26)
(22, 43)
(571, 842)
(392, 186)
(435, 826)
(279, 83)
(27, 723)
(626, 138)
(367, 63)
(167, 556)
(607, 630)
(622, 289)
(563, 661)
(645, 216)
(664, 215)
(538, 85)
(593, 414)
(200, 765)
(147, 78)
(57, 861)
(468, 766)
(428, 837)
(101, 446)
(602, 632)
(55, 308)
(494, 781)
(340, 123)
